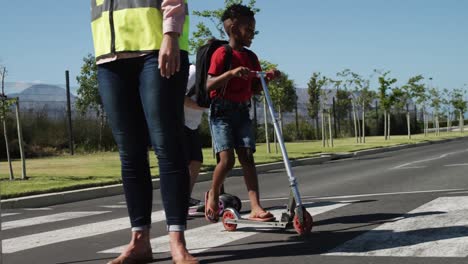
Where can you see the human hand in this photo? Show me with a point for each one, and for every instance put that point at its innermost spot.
(169, 55)
(272, 74)
(241, 72)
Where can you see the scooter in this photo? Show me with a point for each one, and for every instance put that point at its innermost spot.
(295, 214)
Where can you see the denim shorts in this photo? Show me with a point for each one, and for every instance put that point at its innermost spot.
(231, 126)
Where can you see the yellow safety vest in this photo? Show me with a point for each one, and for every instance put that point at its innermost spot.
(130, 26)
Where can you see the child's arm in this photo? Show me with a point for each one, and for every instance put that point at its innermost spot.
(216, 82)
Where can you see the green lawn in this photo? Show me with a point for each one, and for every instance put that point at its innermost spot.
(74, 172)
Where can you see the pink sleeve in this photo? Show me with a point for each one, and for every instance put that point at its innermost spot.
(173, 15)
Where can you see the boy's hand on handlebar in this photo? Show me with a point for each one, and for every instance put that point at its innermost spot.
(272, 74)
(241, 72)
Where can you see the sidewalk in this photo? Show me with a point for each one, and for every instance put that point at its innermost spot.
(50, 199)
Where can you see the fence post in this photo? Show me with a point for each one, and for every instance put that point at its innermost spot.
(70, 130)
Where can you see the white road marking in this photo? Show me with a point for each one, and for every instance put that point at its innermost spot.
(47, 219)
(436, 229)
(360, 195)
(113, 206)
(38, 209)
(413, 167)
(430, 159)
(9, 214)
(456, 165)
(462, 192)
(384, 194)
(213, 235)
(16, 244)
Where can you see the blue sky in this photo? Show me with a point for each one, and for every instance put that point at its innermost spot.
(41, 39)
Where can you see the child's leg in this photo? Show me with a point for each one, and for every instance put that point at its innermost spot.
(247, 162)
(225, 164)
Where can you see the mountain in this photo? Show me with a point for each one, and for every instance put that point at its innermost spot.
(44, 98)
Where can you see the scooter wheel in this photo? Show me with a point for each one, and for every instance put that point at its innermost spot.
(229, 227)
(229, 201)
(306, 226)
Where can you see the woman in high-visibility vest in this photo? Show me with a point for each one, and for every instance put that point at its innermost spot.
(141, 51)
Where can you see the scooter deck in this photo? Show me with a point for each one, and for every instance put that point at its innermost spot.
(250, 222)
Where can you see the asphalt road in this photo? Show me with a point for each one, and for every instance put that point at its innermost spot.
(406, 206)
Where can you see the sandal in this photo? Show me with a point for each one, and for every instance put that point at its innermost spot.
(262, 217)
(210, 214)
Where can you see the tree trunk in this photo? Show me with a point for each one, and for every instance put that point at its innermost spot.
(12, 177)
(20, 142)
(101, 128)
(323, 130)
(385, 124)
(389, 122)
(448, 121)
(280, 116)
(425, 121)
(408, 124)
(355, 124)
(317, 127)
(462, 125)
(330, 129)
(265, 118)
(334, 119)
(363, 125)
(359, 132)
(297, 122)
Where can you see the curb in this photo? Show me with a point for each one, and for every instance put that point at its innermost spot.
(43, 200)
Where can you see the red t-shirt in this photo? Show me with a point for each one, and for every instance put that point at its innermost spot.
(237, 90)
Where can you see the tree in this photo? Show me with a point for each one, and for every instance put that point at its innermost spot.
(325, 109)
(88, 93)
(5, 105)
(419, 92)
(412, 89)
(203, 31)
(459, 104)
(314, 87)
(447, 108)
(283, 96)
(266, 65)
(365, 98)
(386, 100)
(435, 104)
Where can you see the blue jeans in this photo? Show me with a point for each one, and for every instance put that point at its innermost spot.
(230, 125)
(144, 108)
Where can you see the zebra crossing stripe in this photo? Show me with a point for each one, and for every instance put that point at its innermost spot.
(9, 214)
(213, 235)
(114, 206)
(436, 229)
(16, 244)
(48, 219)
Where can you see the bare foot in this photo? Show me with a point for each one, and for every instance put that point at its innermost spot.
(179, 252)
(137, 251)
